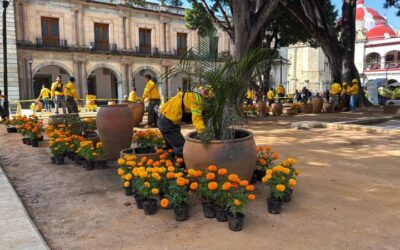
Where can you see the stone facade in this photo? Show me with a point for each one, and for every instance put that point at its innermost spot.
(78, 56)
(12, 66)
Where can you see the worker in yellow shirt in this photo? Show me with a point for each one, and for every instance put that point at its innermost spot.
(72, 96)
(345, 97)
(152, 96)
(133, 96)
(178, 90)
(270, 96)
(184, 107)
(281, 92)
(336, 90)
(45, 95)
(58, 96)
(250, 96)
(353, 95)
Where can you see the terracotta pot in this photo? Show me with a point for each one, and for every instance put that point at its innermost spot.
(130, 151)
(292, 111)
(237, 155)
(317, 103)
(307, 108)
(262, 108)
(277, 109)
(327, 107)
(114, 124)
(137, 109)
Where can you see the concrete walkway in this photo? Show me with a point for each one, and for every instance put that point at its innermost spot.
(17, 230)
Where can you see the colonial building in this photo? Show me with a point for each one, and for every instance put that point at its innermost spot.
(108, 46)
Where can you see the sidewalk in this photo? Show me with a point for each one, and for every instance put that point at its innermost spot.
(17, 231)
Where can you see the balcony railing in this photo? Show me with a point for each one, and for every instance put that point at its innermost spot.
(388, 65)
(373, 66)
(393, 65)
(44, 43)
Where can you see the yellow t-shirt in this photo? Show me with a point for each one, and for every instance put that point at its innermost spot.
(280, 90)
(270, 95)
(70, 90)
(132, 96)
(151, 91)
(354, 89)
(45, 93)
(250, 94)
(336, 89)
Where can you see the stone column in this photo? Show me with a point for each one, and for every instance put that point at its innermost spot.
(84, 79)
(124, 33)
(80, 28)
(128, 33)
(383, 62)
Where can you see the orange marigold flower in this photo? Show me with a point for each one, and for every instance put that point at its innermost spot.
(243, 183)
(181, 181)
(250, 188)
(164, 203)
(280, 187)
(198, 173)
(263, 162)
(144, 159)
(149, 162)
(160, 151)
(179, 160)
(251, 197)
(234, 185)
(233, 177)
(237, 202)
(222, 171)
(265, 156)
(275, 156)
(212, 185)
(171, 175)
(194, 186)
(212, 168)
(260, 148)
(226, 186)
(210, 176)
(155, 191)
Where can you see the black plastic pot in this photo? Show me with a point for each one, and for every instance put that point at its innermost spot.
(209, 210)
(72, 156)
(139, 200)
(274, 206)
(128, 191)
(35, 143)
(12, 130)
(181, 212)
(258, 174)
(78, 160)
(150, 206)
(24, 140)
(235, 223)
(288, 195)
(144, 150)
(59, 159)
(40, 138)
(221, 214)
(101, 164)
(28, 141)
(53, 160)
(89, 165)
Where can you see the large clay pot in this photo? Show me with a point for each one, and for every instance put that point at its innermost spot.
(114, 124)
(307, 108)
(277, 109)
(130, 151)
(327, 107)
(137, 109)
(237, 155)
(317, 103)
(262, 108)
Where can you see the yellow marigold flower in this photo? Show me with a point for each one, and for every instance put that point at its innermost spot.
(128, 177)
(280, 188)
(149, 170)
(286, 170)
(237, 202)
(297, 172)
(162, 170)
(171, 169)
(120, 171)
(292, 161)
(136, 172)
(155, 191)
(146, 184)
(269, 171)
(121, 161)
(127, 184)
(212, 185)
(144, 174)
(292, 183)
(155, 175)
(164, 203)
(191, 172)
(177, 175)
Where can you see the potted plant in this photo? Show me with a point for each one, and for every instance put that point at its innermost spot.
(125, 173)
(265, 158)
(146, 142)
(9, 125)
(178, 197)
(34, 134)
(292, 182)
(100, 156)
(207, 190)
(88, 152)
(58, 147)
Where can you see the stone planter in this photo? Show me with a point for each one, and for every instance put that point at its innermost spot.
(114, 124)
(317, 103)
(277, 109)
(137, 109)
(307, 108)
(237, 155)
(327, 107)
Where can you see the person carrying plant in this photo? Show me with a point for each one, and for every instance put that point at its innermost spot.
(270, 97)
(71, 95)
(132, 96)
(152, 96)
(184, 107)
(57, 95)
(250, 96)
(336, 89)
(45, 95)
(353, 92)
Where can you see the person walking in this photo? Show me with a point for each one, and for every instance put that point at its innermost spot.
(353, 95)
(249, 96)
(336, 89)
(58, 96)
(132, 95)
(45, 96)
(270, 97)
(152, 96)
(72, 96)
(184, 107)
(281, 92)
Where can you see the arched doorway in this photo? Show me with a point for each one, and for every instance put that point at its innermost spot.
(179, 80)
(392, 59)
(373, 61)
(140, 82)
(46, 76)
(104, 83)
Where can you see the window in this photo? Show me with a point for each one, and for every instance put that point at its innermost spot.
(181, 44)
(101, 37)
(145, 41)
(214, 47)
(50, 32)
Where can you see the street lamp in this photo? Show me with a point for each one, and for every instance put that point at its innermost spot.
(30, 72)
(5, 75)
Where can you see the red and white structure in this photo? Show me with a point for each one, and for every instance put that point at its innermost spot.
(377, 53)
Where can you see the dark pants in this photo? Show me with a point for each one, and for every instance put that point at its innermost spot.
(71, 105)
(152, 114)
(249, 102)
(2, 115)
(270, 102)
(172, 135)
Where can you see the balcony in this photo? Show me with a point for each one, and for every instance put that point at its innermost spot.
(393, 65)
(373, 66)
(51, 44)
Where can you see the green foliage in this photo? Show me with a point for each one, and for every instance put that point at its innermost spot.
(392, 94)
(177, 195)
(393, 3)
(197, 19)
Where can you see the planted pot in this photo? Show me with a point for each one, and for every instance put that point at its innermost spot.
(59, 159)
(274, 206)
(89, 165)
(40, 138)
(317, 103)
(237, 155)
(327, 107)
(114, 124)
(72, 156)
(262, 108)
(132, 151)
(128, 191)
(277, 109)
(78, 160)
(24, 140)
(209, 209)
(236, 222)
(101, 164)
(288, 195)
(150, 206)
(258, 174)
(53, 160)
(72, 120)
(139, 200)
(137, 109)
(181, 212)
(307, 108)
(12, 130)
(35, 143)
(221, 214)
(28, 141)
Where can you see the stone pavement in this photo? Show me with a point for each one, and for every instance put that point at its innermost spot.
(17, 230)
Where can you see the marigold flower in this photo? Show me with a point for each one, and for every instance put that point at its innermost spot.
(212, 168)
(127, 184)
(146, 184)
(181, 181)
(234, 185)
(179, 160)
(297, 172)
(164, 203)
(170, 175)
(243, 183)
(226, 186)
(155, 191)
(144, 174)
(269, 171)
(144, 159)
(280, 188)
(198, 173)
(210, 176)
(292, 161)
(251, 197)
(292, 183)
(121, 161)
(275, 156)
(233, 177)
(260, 148)
(149, 162)
(194, 186)
(222, 171)
(171, 169)
(191, 172)
(120, 171)
(160, 151)
(237, 202)
(286, 170)
(212, 185)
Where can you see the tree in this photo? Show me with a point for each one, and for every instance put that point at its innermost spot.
(393, 3)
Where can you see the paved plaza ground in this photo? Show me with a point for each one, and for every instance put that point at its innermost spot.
(347, 197)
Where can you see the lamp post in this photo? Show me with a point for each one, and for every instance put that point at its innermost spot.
(30, 73)
(5, 103)
(281, 61)
(387, 67)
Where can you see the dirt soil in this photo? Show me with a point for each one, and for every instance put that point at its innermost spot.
(347, 197)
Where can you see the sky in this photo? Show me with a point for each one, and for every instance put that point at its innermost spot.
(375, 4)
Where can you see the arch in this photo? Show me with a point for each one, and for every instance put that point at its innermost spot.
(392, 52)
(46, 73)
(138, 77)
(147, 67)
(373, 60)
(52, 63)
(103, 85)
(107, 66)
(392, 59)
